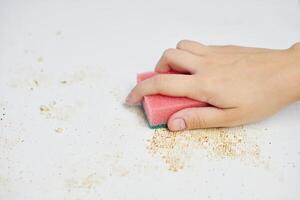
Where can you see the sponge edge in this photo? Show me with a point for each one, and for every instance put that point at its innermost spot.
(158, 108)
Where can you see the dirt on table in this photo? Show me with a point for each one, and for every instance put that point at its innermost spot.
(175, 148)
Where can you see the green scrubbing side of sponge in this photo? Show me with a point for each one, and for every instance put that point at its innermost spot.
(158, 126)
(153, 127)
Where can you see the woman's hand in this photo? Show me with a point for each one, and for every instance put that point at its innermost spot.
(243, 84)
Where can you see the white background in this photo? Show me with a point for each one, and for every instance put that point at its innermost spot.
(98, 47)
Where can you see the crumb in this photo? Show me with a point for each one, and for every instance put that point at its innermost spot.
(40, 59)
(89, 182)
(63, 82)
(175, 148)
(59, 130)
(36, 82)
(53, 110)
(44, 108)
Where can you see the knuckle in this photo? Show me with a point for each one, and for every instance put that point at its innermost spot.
(158, 81)
(196, 122)
(181, 44)
(193, 90)
(168, 53)
(209, 87)
(207, 83)
(139, 88)
(209, 60)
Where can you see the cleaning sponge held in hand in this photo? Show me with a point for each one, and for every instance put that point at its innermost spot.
(158, 108)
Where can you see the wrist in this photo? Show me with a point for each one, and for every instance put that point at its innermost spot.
(294, 63)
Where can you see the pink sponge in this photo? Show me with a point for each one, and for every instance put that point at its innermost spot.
(158, 108)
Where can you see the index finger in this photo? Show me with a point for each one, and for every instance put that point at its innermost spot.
(165, 84)
(179, 61)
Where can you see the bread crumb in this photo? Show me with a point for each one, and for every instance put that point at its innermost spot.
(59, 130)
(44, 108)
(36, 82)
(175, 148)
(89, 182)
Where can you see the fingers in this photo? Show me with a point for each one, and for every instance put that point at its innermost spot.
(166, 84)
(203, 117)
(236, 49)
(193, 47)
(201, 49)
(178, 60)
(189, 56)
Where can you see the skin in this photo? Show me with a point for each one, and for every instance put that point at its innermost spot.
(242, 84)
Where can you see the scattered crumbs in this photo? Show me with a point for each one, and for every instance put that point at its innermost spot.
(77, 77)
(59, 130)
(88, 182)
(29, 78)
(119, 170)
(116, 94)
(176, 148)
(34, 85)
(56, 111)
(40, 59)
(9, 143)
(3, 114)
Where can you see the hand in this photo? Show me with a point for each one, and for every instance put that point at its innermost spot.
(242, 84)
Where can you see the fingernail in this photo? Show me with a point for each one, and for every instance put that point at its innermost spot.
(177, 124)
(130, 102)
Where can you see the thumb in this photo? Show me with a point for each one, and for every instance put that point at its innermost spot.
(204, 117)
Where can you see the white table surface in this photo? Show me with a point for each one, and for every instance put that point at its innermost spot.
(79, 59)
